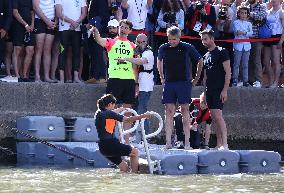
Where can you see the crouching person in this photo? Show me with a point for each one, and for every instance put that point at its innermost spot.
(199, 113)
(105, 121)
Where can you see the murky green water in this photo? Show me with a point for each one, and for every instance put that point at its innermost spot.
(14, 179)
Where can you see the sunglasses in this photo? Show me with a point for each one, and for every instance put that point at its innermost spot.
(139, 42)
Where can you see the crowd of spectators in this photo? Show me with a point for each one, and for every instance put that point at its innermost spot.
(55, 34)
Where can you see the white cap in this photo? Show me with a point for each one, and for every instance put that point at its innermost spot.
(113, 23)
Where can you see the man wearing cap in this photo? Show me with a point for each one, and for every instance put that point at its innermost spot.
(112, 26)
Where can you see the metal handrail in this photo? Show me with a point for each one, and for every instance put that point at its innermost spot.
(161, 124)
(120, 125)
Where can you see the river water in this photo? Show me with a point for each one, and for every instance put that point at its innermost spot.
(13, 179)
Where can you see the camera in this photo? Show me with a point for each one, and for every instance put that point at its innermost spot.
(170, 18)
(199, 5)
(223, 13)
(113, 7)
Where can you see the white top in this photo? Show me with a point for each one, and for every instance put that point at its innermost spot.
(145, 79)
(48, 8)
(71, 9)
(244, 26)
(137, 13)
(274, 20)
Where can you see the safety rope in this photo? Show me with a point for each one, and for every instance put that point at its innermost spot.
(64, 150)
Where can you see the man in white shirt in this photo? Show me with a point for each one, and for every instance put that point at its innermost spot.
(70, 13)
(145, 62)
(137, 12)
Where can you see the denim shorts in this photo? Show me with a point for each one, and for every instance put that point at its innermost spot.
(177, 92)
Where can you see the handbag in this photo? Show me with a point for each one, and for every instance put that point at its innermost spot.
(265, 31)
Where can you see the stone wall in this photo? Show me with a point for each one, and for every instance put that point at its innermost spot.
(250, 113)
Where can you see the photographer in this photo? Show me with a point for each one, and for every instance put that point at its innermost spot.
(170, 15)
(200, 15)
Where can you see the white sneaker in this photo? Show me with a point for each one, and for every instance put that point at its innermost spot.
(240, 84)
(9, 79)
(257, 84)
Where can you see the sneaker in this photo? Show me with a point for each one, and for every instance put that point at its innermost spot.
(205, 147)
(188, 147)
(234, 84)
(240, 84)
(179, 145)
(257, 84)
(246, 84)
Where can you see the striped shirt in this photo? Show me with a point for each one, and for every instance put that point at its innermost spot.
(257, 13)
(48, 8)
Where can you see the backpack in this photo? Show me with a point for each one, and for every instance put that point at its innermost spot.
(265, 31)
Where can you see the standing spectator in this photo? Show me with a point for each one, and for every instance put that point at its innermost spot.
(23, 35)
(174, 66)
(5, 23)
(272, 50)
(137, 13)
(44, 30)
(170, 15)
(71, 13)
(242, 30)
(257, 17)
(98, 12)
(145, 60)
(121, 81)
(217, 75)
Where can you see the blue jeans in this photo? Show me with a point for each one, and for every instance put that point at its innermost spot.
(143, 99)
(244, 57)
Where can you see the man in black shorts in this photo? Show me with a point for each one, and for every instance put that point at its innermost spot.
(109, 145)
(217, 75)
(5, 23)
(23, 35)
(121, 81)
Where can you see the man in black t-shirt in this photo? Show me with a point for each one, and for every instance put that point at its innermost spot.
(174, 66)
(217, 75)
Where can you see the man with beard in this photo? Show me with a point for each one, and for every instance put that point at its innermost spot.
(112, 26)
(217, 75)
(257, 15)
(121, 81)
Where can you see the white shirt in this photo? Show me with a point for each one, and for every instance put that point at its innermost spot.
(71, 9)
(137, 13)
(145, 79)
(48, 8)
(244, 26)
(273, 18)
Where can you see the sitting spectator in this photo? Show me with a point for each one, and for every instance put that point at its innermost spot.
(272, 50)
(199, 113)
(70, 15)
(23, 35)
(242, 30)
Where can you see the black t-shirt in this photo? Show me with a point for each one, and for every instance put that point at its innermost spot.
(24, 8)
(105, 123)
(213, 64)
(177, 61)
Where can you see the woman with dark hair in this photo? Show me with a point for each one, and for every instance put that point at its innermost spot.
(106, 117)
(170, 14)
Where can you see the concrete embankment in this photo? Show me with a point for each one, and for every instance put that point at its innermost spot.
(254, 116)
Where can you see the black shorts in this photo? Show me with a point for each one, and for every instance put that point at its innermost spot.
(112, 149)
(122, 89)
(272, 43)
(213, 99)
(41, 28)
(21, 37)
